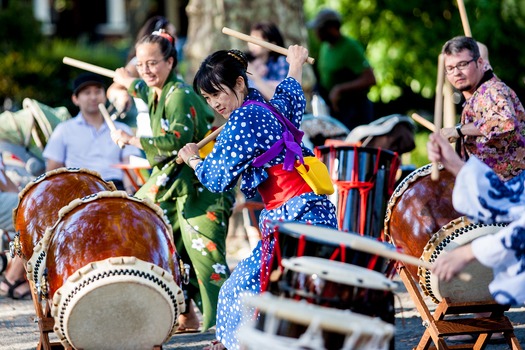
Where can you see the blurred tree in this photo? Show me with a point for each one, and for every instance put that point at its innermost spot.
(404, 38)
(207, 18)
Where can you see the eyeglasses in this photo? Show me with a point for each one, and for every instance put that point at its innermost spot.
(151, 64)
(460, 66)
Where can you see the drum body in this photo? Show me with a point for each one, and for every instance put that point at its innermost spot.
(292, 239)
(454, 234)
(42, 198)
(338, 285)
(112, 273)
(418, 208)
(365, 179)
(289, 324)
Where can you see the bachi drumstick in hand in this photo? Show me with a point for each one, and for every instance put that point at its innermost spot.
(109, 121)
(205, 141)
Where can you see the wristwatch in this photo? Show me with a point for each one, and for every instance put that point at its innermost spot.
(458, 129)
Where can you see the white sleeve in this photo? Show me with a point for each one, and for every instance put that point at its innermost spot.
(483, 197)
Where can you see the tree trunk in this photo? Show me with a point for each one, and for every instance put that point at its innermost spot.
(208, 17)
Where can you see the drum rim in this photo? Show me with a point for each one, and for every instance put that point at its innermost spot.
(340, 270)
(334, 236)
(301, 312)
(400, 189)
(352, 147)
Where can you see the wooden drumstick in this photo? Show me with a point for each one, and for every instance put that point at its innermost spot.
(260, 42)
(89, 67)
(395, 255)
(109, 121)
(464, 18)
(205, 141)
(438, 108)
(423, 122)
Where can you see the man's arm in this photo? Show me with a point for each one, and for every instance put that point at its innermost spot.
(452, 134)
(52, 164)
(6, 185)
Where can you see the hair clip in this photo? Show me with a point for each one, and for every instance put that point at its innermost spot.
(164, 34)
(238, 55)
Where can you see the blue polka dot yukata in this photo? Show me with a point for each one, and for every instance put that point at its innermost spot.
(250, 131)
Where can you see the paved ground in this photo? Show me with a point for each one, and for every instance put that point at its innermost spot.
(18, 329)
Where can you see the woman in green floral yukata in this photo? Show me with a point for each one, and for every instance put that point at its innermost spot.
(199, 218)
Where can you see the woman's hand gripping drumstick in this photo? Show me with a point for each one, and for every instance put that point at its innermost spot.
(110, 124)
(260, 42)
(191, 150)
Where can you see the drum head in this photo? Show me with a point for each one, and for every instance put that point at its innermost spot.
(457, 233)
(118, 303)
(340, 272)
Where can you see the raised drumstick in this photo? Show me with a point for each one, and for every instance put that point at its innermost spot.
(205, 141)
(438, 108)
(89, 67)
(260, 42)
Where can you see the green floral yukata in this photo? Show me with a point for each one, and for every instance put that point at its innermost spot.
(199, 218)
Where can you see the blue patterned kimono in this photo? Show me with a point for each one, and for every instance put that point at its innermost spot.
(250, 131)
(483, 197)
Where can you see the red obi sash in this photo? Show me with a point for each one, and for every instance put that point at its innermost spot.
(280, 186)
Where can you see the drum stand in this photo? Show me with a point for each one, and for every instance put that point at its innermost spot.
(44, 320)
(437, 327)
(46, 324)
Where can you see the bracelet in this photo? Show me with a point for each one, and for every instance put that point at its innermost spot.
(458, 129)
(193, 157)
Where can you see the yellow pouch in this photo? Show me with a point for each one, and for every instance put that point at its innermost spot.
(316, 175)
(207, 148)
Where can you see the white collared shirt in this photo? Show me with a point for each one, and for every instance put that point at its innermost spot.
(78, 144)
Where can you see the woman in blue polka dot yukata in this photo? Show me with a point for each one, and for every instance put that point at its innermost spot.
(251, 130)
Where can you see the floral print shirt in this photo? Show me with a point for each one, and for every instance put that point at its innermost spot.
(498, 114)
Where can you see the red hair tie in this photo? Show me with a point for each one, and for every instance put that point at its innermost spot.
(164, 34)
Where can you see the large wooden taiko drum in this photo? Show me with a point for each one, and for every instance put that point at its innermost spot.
(112, 271)
(41, 199)
(422, 221)
(417, 209)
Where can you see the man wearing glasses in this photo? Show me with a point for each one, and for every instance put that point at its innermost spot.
(492, 125)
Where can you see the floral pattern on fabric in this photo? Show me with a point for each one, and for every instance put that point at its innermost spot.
(499, 115)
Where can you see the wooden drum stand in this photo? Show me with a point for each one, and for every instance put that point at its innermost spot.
(437, 327)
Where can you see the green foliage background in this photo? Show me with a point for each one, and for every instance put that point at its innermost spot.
(402, 39)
